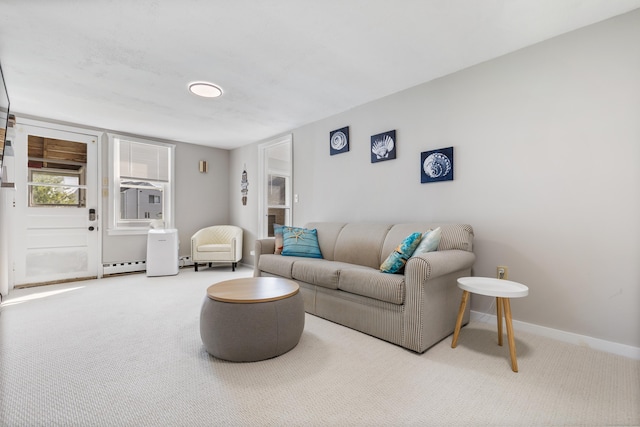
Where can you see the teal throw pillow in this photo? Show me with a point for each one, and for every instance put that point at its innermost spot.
(398, 258)
(300, 242)
(277, 233)
(429, 243)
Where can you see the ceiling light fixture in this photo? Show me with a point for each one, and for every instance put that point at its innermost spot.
(205, 89)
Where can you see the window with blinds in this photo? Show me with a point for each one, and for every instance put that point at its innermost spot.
(142, 184)
(143, 161)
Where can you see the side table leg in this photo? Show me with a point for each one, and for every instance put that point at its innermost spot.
(499, 316)
(512, 341)
(456, 332)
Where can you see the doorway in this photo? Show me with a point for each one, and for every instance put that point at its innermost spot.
(57, 227)
(276, 183)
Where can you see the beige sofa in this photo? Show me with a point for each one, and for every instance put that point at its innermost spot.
(415, 310)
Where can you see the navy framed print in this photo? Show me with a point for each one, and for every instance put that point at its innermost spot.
(436, 165)
(383, 146)
(339, 141)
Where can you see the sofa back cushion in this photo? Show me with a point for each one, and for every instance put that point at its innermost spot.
(369, 244)
(361, 243)
(454, 236)
(327, 235)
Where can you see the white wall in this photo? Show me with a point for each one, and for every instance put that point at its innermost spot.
(547, 149)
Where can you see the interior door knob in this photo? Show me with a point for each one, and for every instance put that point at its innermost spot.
(91, 228)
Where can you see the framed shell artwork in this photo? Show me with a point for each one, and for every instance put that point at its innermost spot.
(383, 146)
(339, 141)
(436, 165)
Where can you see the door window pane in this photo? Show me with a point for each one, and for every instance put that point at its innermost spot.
(278, 216)
(56, 172)
(277, 194)
(48, 188)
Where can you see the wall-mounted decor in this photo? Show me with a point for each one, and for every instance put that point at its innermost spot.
(244, 186)
(436, 165)
(203, 167)
(383, 146)
(339, 141)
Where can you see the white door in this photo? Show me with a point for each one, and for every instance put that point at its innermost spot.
(56, 205)
(275, 184)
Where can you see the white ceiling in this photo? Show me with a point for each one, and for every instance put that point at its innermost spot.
(124, 65)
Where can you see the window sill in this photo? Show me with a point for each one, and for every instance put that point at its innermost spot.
(128, 231)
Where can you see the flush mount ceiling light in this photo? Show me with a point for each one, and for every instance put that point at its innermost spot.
(205, 89)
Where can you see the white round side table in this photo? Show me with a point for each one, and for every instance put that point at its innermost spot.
(502, 290)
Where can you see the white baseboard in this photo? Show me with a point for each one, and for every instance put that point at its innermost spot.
(568, 337)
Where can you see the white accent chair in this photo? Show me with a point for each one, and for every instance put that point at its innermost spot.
(218, 243)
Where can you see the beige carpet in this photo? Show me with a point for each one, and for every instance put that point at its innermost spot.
(126, 351)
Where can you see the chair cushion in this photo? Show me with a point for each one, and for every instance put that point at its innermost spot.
(214, 248)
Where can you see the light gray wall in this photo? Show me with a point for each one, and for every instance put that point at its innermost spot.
(547, 142)
(201, 199)
(245, 216)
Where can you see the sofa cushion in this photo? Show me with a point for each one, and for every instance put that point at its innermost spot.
(301, 242)
(360, 244)
(327, 236)
(277, 265)
(319, 272)
(398, 258)
(456, 236)
(429, 242)
(372, 283)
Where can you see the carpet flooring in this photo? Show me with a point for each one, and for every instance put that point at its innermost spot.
(126, 351)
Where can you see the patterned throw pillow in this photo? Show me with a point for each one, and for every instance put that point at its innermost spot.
(277, 233)
(398, 258)
(429, 243)
(300, 242)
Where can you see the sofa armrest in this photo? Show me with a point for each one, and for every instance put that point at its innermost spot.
(262, 246)
(432, 297)
(439, 263)
(265, 246)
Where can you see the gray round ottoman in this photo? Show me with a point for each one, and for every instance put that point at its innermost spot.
(251, 319)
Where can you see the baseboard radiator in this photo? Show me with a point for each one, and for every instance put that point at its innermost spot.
(123, 267)
(112, 268)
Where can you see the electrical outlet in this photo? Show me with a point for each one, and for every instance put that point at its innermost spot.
(502, 272)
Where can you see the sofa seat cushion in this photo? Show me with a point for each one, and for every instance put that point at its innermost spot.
(277, 265)
(214, 248)
(320, 272)
(372, 283)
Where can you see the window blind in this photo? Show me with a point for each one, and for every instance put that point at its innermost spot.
(144, 161)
